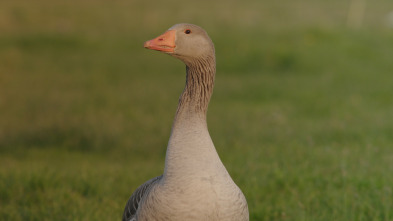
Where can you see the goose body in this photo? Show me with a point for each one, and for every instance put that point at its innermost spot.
(195, 184)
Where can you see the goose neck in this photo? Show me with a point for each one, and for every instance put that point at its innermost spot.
(199, 87)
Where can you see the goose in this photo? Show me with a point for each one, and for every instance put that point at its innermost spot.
(195, 184)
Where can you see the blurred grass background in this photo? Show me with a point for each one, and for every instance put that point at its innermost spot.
(302, 113)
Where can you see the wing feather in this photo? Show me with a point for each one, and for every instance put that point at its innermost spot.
(133, 202)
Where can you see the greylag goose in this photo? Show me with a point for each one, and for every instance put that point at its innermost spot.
(195, 184)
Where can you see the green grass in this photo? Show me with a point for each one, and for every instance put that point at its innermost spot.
(302, 112)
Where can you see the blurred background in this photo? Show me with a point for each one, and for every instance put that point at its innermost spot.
(302, 112)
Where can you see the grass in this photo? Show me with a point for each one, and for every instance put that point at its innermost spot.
(301, 116)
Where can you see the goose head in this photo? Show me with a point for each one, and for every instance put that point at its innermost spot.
(187, 42)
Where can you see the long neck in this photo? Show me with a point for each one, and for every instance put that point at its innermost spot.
(190, 148)
(195, 98)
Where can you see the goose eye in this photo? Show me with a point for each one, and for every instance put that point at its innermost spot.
(188, 31)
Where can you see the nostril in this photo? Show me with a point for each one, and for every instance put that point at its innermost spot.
(161, 39)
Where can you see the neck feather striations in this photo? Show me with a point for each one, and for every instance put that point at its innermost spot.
(199, 87)
(191, 152)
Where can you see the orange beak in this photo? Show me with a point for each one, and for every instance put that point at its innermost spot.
(164, 42)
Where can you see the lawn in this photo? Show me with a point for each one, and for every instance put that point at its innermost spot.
(301, 115)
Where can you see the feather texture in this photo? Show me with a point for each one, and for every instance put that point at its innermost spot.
(138, 195)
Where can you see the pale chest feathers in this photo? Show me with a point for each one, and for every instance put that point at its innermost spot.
(203, 198)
